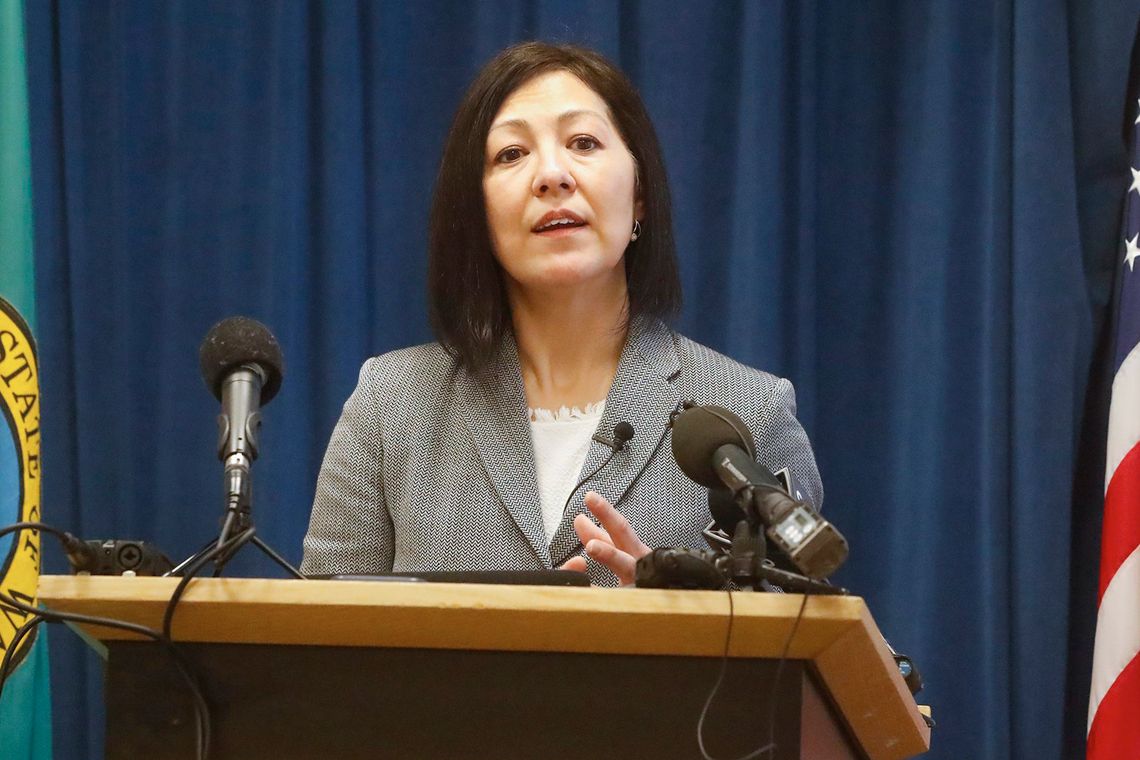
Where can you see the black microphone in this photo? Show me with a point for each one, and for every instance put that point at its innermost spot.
(242, 365)
(623, 433)
(726, 515)
(715, 448)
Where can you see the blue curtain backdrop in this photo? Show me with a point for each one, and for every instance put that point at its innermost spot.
(908, 208)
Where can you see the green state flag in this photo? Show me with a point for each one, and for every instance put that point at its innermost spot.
(25, 707)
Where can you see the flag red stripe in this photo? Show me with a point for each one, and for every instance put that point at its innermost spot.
(1121, 533)
(1115, 731)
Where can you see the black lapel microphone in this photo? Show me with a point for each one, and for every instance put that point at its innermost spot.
(623, 433)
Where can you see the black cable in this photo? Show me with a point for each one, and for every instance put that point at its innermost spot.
(44, 614)
(191, 571)
(200, 704)
(10, 653)
(228, 522)
(652, 454)
(62, 535)
(719, 680)
(222, 551)
(194, 568)
(613, 450)
(779, 670)
(771, 745)
(79, 555)
(231, 546)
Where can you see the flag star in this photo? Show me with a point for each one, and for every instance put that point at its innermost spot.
(1132, 251)
(1135, 180)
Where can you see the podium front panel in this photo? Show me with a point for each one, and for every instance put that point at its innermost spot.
(345, 702)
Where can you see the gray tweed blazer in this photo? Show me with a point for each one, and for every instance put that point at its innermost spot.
(432, 468)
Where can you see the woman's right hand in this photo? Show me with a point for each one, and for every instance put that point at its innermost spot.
(614, 544)
(575, 564)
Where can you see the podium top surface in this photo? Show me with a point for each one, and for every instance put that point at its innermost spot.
(837, 635)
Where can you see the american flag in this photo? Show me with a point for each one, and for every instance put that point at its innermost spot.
(1114, 700)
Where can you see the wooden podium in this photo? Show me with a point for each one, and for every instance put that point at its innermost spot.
(338, 669)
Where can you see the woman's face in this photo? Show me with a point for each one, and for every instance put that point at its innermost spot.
(559, 184)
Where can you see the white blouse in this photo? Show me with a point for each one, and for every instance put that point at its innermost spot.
(561, 442)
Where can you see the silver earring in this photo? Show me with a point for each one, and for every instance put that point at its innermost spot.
(636, 231)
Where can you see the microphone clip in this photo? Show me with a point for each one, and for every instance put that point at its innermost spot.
(609, 443)
(681, 408)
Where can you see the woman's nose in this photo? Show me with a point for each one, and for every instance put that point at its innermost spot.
(553, 176)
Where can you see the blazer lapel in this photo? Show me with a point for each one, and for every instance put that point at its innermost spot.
(496, 416)
(644, 395)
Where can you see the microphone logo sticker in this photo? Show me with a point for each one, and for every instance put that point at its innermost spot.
(19, 471)
(727, 464)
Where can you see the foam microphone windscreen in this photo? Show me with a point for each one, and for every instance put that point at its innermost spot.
(698, 432)
(726, 513)
(237, 341)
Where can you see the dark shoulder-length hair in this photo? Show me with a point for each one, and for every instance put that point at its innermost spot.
(466, 293)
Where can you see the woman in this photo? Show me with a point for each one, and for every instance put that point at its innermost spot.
(552, 270)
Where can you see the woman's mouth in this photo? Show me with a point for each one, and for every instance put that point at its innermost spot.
(558, 223)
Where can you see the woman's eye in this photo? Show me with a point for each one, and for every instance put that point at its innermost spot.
(508, 155)
(584, 142)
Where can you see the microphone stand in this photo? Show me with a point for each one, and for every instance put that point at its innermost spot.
(237, 524)
(222, 549)
(746, 565)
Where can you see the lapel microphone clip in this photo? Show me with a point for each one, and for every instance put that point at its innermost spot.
(623, 433)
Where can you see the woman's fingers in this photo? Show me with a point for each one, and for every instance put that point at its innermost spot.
(620, 532)
(620, 563)
(576, 564)
(587, 531)
(615, 544)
